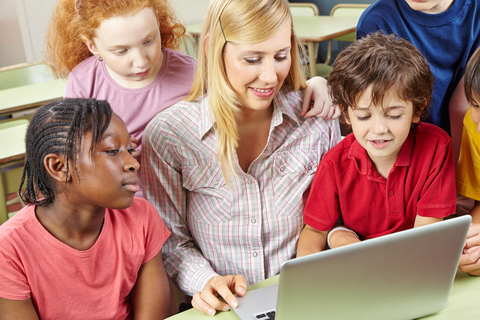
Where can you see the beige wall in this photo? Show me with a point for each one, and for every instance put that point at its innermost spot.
(11, 46)
(190, 11)
(23, 24)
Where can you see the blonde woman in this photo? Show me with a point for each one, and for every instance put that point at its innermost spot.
(227, 168)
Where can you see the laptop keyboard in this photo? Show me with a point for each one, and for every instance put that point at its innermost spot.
(269, 315)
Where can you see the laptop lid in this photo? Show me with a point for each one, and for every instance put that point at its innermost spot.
(404, 275)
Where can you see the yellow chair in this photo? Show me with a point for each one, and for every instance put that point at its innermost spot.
(188, 45)
(304, 9)
(12, 156)
(340, 10)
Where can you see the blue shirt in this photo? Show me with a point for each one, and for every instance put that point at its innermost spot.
(446, 39)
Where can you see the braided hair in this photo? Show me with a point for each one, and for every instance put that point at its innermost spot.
(57, 127)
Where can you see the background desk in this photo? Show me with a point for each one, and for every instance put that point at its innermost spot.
(462, 304)
(26, 86)
(13, 148)
(12, 154)
(312, 30)
(31, 96)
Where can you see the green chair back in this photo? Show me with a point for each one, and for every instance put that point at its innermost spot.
(25, 75)
(304, 9)
(12, 148)
(348, 10)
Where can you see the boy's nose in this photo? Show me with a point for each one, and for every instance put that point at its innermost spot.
(379, 126)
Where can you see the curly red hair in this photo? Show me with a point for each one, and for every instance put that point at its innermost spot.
(72, 20)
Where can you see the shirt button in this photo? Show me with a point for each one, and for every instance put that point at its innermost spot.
(282, 169)
(249, 181)
(309, 168)
(255, 254)
(391, 193)
(253, 221)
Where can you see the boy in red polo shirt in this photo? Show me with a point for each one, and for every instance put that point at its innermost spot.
(392, 173)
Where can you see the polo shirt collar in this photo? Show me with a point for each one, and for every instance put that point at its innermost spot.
(363, 162)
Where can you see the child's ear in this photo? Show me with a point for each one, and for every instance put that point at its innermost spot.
(416, 117)
(345, 114)
(56, 167)
(90, 45)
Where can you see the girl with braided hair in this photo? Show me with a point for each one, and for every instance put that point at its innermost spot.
(122, 51)
(84, 247)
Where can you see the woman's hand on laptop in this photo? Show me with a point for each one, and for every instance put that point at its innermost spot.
(207, 300)
(470, 259)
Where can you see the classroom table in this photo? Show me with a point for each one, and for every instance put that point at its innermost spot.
(462, 303)
(28, 97)
(26, 86)
(13, 148)
(12, 153)
(312, 30)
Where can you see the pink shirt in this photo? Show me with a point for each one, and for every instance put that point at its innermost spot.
(65, 283)
(422, 181)
(136, 107)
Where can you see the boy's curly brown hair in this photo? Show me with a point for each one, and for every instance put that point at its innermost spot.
(381, 62)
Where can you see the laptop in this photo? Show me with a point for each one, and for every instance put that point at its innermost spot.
(404, 275)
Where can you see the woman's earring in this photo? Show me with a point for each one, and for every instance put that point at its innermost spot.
(99, 58)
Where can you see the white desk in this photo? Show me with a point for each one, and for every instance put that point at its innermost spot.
(26, 86)
(462, 303)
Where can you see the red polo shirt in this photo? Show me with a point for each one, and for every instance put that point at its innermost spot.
(422, 181)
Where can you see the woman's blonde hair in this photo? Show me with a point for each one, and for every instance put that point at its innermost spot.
(243, 21)
(74, 19)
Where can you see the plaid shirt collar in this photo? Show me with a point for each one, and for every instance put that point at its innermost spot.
(281, 106)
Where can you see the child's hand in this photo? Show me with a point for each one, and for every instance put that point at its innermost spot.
(470, 262)
(473, 236)
(135, 141)
(341, 238)
(317, 102)
(207, 301)
(470, 259)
